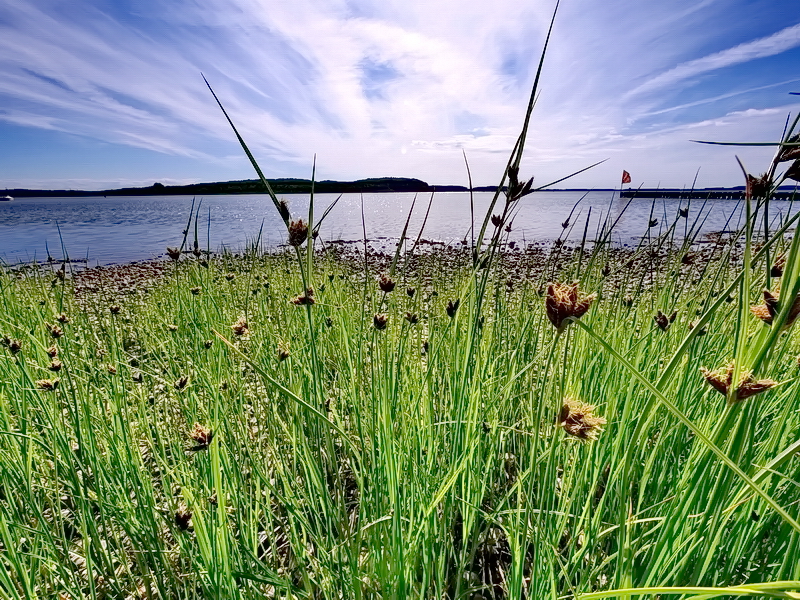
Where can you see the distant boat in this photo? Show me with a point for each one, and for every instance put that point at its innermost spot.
(6, 199)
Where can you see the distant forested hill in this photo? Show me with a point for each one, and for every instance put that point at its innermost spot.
(254, 186)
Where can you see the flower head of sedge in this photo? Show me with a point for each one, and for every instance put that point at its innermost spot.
(202, 437)
(563, 301)
(578, 419)
(452, 307)
(183, 517)
(283, 351)
(306, 299)
(298, 232)
(663, 321)
(55, 331)
(769, 310)
(722, 378)
(380, 320)
(386, 283)
(778, 266)
(240, 327)
(47, 385)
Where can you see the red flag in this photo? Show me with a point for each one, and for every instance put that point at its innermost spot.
(626, 177)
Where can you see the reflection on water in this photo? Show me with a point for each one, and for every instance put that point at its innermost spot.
(123, 229)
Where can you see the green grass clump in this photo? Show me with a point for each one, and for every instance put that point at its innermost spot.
(208, 437)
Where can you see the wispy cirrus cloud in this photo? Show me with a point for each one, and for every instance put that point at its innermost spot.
(778, 42)
(379, 87)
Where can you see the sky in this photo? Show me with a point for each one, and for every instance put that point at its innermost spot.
(98, 94)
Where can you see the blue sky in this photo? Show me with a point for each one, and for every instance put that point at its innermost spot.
(108, 93)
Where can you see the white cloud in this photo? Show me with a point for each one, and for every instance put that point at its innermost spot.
(779, 42)
(448, 76)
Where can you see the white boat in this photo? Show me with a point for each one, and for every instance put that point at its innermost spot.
(6, 199)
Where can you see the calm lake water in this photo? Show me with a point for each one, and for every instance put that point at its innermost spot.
(125, 229)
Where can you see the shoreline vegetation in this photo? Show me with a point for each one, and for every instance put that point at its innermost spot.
(211, 426)
(374, 185)
(480, 422)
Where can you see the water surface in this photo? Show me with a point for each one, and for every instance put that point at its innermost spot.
(125, 229)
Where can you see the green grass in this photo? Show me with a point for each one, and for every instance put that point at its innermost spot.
(362, 467)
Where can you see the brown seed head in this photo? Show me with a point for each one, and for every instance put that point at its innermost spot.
(793, 172)
(662, 321)
(115, 308)
(55, 331)
(173, 253)
(195, 291)
(47, 385)
(201, 436)
(62, 318)
(52, 351)
(578, 419)
(283, 351)
(306, 299)
(412, 318)
(111, 369)
(229, 276)
(757, 187)
(410, 292)
(55, 365)
(722, 378)
(183, 517)
(14, 345)
(298, 232)
(777, 268)
(516, 189)
(452, 307)
(172, 327)
(563, 301)
(207, 344)
(701, 331)
(283, 209)
(380, 320)
(767, 311)
(181, 382)
(385, 283)
(790, 152)
(497, 220)
(652, 222)
(240, 327)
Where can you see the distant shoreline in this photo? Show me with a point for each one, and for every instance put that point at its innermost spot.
(372, 186)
